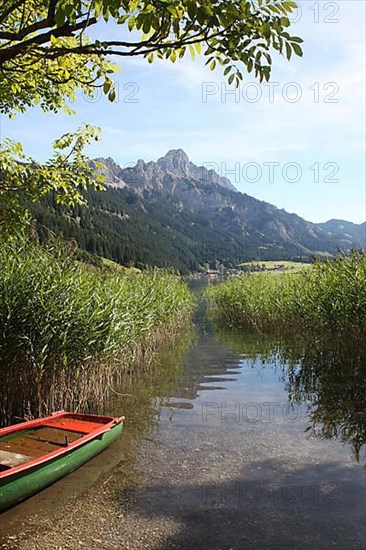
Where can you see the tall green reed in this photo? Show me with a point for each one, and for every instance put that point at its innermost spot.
(59, 320)
(331, 295)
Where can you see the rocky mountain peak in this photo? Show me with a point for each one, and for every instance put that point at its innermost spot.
(168, 172)
(176, 160)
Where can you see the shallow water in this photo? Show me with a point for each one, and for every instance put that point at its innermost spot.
(243, 440)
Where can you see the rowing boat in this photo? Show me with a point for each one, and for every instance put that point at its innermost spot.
(37, 453)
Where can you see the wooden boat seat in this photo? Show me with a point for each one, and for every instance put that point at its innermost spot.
(73, 425)
(54, 436)
(26, 446)
(48, 437)
(10, 460)
(39, 442)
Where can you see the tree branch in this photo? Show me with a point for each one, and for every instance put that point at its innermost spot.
(39, 25)
(65, 30)
(52, 10)
(135, 48)
(10, 9)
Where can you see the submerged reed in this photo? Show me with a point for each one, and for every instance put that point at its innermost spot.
(330, 296)
(65, 328)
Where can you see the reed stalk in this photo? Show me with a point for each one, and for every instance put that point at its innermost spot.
(66, 330)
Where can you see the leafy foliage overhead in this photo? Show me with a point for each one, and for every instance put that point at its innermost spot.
(46, 57)
(45, 53)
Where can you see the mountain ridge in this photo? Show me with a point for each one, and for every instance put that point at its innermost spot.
(201, 191)
(172, 213)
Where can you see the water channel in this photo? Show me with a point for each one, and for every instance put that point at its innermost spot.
(235, 440)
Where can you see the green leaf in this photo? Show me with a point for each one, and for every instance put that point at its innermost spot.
(288, 51)
(197, 47)
(112, 95)
(296, 39)
(297, 49)
(107, 86)
(266, 30)
(131, 23)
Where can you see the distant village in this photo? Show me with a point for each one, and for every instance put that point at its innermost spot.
(222, 271)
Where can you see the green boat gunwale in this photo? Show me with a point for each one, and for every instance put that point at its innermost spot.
(109, 425)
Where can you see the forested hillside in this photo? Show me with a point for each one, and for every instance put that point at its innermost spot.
(118, 225)
(173, 213)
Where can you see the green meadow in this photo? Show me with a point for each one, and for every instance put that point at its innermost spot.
(275, 267)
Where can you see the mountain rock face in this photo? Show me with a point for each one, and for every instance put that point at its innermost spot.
(112, 172)
(241, 220)
(171, 174)
(171, 213)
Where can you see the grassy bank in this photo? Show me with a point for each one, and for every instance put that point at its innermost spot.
(66, 329)
(330, 295)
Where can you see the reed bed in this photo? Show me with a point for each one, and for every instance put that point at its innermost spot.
(330, 296)
(66, 330)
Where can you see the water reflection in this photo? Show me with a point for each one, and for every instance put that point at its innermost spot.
(326, 373)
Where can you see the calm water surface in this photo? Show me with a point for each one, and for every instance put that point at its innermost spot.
(248, 441)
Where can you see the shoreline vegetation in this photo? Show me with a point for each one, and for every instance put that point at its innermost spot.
(330, 296)
(313, 324)
(68, 330)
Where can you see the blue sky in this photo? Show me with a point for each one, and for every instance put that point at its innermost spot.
(298, 144)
